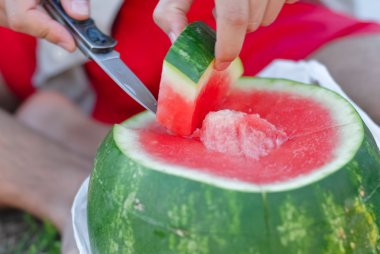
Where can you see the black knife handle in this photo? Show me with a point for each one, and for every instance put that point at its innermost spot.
(85, 32)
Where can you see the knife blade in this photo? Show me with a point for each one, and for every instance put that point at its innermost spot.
(100, 47)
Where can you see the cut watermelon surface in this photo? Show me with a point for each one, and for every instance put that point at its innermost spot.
(190, 87)
(313, 189)
(315, 133)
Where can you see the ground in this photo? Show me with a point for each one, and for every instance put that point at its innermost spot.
(20, 233)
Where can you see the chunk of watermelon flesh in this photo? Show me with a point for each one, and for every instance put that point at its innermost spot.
(312, 139)
(240, 134)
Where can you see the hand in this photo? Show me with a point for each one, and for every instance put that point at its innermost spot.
(234, 18)
(27, 16)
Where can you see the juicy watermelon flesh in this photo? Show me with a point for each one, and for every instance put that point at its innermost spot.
(182, 115)
(312, 133)
(240, 134)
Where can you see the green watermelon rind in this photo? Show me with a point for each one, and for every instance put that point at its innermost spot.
(134, 209)
(199, 39)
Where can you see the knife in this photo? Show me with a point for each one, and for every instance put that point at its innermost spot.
(100, 47)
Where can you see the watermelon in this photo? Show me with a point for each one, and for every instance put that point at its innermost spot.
(277, 167)
(153, 192)
(190, 86)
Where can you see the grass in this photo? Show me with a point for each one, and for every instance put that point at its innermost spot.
(20, 233)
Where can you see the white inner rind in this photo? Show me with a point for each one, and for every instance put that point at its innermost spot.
(351, 136)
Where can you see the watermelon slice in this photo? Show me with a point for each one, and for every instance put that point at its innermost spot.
(190, 87)
(317, 192)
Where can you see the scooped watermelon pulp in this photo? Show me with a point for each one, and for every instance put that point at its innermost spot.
(240, 134)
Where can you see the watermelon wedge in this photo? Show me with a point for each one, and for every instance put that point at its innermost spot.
(317, 192)
(190, 87)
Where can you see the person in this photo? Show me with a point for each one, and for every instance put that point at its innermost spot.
(47, 146)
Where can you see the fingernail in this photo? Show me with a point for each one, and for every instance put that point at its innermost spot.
(253, 26)
(66, 46)
(172, 37)
(63, 45)
(80, 7)
(221, 66)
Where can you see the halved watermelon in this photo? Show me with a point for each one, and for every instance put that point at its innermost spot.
(318, 192)
(190, 87)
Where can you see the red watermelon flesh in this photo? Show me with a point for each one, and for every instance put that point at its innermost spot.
(182, 115)
(240, 134)
(311, 130)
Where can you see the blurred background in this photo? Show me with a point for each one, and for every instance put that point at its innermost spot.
(363, 9)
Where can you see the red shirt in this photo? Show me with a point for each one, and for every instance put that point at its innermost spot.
(299, 30)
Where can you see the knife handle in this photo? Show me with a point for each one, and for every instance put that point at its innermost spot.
(85, 32)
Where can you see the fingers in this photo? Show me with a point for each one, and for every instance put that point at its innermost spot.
(257, 10)
(24, 16)
(77, 9)
(232, 17)
(264, 12)
(273, 9)
(170, 16)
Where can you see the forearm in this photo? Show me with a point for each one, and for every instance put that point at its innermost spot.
(34, 170)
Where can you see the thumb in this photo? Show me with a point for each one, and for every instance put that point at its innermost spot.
(170, 16)
(77, 9)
